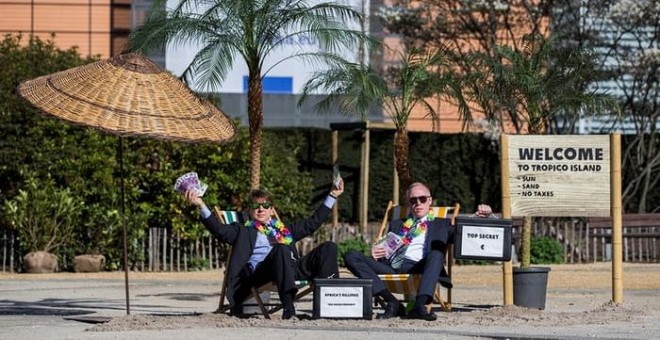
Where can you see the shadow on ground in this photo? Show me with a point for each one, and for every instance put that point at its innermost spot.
(72, 307)
(180, 296)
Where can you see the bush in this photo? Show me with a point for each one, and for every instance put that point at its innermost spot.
(198, 263)
(357, 243)
(474, 262)
(44, 215)
(546, 250)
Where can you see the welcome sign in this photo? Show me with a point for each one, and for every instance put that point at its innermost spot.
(559, 175)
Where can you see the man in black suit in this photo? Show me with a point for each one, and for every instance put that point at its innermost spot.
(424, 240)
(264, 249)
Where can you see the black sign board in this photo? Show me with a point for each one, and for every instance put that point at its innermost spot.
(482, 239)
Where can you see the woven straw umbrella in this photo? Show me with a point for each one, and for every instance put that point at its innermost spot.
(128, 95)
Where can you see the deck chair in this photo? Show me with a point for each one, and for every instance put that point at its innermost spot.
(406, 284)
(304, 286)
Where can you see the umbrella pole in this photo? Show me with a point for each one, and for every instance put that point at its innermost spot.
(123, 221)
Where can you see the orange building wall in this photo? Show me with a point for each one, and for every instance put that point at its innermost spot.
(449, 120)
(82, 23)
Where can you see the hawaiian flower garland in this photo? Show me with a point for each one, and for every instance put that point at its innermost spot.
(275, 229)
(421, 227)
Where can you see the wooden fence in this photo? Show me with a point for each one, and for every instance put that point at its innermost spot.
(9, 250)
(584, 240)
(640, 237)
(590, 239)
(162, 252)
(166, 252)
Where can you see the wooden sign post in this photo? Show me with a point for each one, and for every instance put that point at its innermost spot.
(563, 175)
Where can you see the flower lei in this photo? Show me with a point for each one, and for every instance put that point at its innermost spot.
(420, 228)
(275, 229)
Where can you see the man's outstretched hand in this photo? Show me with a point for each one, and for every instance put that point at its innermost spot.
(191, 196)
(337, 189)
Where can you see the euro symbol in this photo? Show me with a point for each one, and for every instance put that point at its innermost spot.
(482, 247)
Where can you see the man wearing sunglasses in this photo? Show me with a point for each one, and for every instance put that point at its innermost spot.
(420, 251)
(264, 249)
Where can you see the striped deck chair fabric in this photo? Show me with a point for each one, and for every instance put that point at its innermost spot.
(407, 284)
(230, 216)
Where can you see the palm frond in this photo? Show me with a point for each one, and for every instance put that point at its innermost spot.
(253, 29)
(354, 87)
(543, 80)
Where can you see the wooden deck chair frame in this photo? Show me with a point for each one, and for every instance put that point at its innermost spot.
(407, 283)
(226, 217)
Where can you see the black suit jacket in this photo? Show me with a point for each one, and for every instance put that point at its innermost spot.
(243, 240)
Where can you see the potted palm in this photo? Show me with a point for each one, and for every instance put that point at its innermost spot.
(44, 217)
(532, 87)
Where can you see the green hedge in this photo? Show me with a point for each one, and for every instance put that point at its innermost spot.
(460, 168)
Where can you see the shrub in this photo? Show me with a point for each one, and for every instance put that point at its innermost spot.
(357, 243)
(474, 262)
(197, 263)
(43, 215)
(546, 250)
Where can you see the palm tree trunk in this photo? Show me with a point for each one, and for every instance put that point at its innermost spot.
(255, 119)
(526, 235)
(526, 242)
(401, 151)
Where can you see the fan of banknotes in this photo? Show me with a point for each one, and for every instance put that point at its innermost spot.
(190, 181)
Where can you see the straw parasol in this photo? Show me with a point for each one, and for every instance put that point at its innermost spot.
(128, 95)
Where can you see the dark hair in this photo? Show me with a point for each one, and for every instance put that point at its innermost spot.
(256, 194)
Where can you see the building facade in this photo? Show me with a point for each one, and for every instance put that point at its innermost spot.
(98, 27)
(102, 27)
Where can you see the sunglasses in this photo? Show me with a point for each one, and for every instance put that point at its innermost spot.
(255, 206)
(418, 199)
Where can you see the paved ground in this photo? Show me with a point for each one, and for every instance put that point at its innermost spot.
(179, 305)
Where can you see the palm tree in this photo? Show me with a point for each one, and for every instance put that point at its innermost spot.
(251, 30)
(536, 86)
(415, 78)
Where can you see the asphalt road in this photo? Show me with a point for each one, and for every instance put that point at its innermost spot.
(51, 307)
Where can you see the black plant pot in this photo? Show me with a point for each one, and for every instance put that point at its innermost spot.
(530, 286)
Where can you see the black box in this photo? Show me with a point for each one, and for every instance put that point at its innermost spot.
(342, 299)
(482, 239)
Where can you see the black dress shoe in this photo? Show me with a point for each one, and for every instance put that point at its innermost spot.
(391, 310)
(422, 314)
(288, 314)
